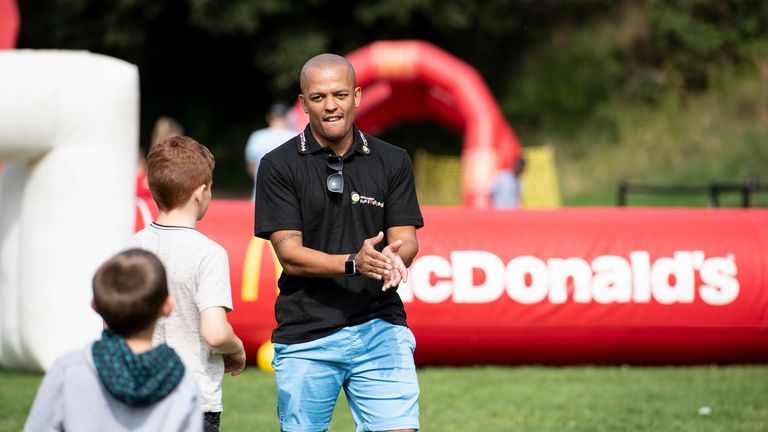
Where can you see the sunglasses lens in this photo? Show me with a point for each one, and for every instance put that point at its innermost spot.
(336, 183)
(335, 163)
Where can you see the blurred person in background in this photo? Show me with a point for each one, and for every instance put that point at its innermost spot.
(264, 140)
(164, 127)
(507, 191)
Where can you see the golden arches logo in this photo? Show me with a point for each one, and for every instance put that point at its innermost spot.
(249, 290)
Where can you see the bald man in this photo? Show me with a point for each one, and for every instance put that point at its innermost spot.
(340, 209)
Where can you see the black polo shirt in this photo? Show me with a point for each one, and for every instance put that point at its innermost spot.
(291, 194)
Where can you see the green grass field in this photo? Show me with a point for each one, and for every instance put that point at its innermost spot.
(514, 398)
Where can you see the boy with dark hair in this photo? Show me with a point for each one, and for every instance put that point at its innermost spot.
(179, 172)
(121, 382)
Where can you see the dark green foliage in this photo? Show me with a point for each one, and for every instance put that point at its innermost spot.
(554, 65)
(691, 40)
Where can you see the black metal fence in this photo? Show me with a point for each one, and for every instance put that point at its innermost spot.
(713, 191)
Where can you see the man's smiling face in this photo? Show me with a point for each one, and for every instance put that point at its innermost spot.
(330, 97)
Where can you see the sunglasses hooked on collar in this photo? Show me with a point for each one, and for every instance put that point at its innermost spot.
(335, 182)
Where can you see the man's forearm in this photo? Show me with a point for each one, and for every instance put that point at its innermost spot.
(304, 261)
(408, 251)
(298, 260)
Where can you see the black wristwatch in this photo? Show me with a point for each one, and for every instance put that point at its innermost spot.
(349, 265)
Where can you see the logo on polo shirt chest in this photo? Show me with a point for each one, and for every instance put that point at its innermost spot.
(362, 199)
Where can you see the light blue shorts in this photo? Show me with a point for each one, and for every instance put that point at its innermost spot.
(373, 362)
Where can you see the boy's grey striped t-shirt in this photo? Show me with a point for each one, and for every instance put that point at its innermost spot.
(198, 278)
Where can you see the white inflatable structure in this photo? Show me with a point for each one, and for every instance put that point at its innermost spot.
(68, 139)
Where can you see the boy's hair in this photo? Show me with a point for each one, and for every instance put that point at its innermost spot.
(129, 290)
(176, 166)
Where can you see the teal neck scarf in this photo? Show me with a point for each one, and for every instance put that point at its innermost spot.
(136, 379)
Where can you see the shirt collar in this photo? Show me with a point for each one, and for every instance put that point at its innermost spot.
(307, 144)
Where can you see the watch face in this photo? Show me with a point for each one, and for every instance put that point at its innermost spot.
(349, 266)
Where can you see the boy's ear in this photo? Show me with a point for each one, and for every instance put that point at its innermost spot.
(167, 307)
(199, 192)
(93, 306)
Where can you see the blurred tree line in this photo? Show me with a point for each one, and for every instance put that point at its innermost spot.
(552, 64)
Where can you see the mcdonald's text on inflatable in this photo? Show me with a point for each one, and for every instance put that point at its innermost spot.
(571, 286)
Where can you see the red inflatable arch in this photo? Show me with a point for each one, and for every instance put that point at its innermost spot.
(414, 80)
(9, 24)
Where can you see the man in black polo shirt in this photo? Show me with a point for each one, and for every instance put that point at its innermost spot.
(340, 209)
